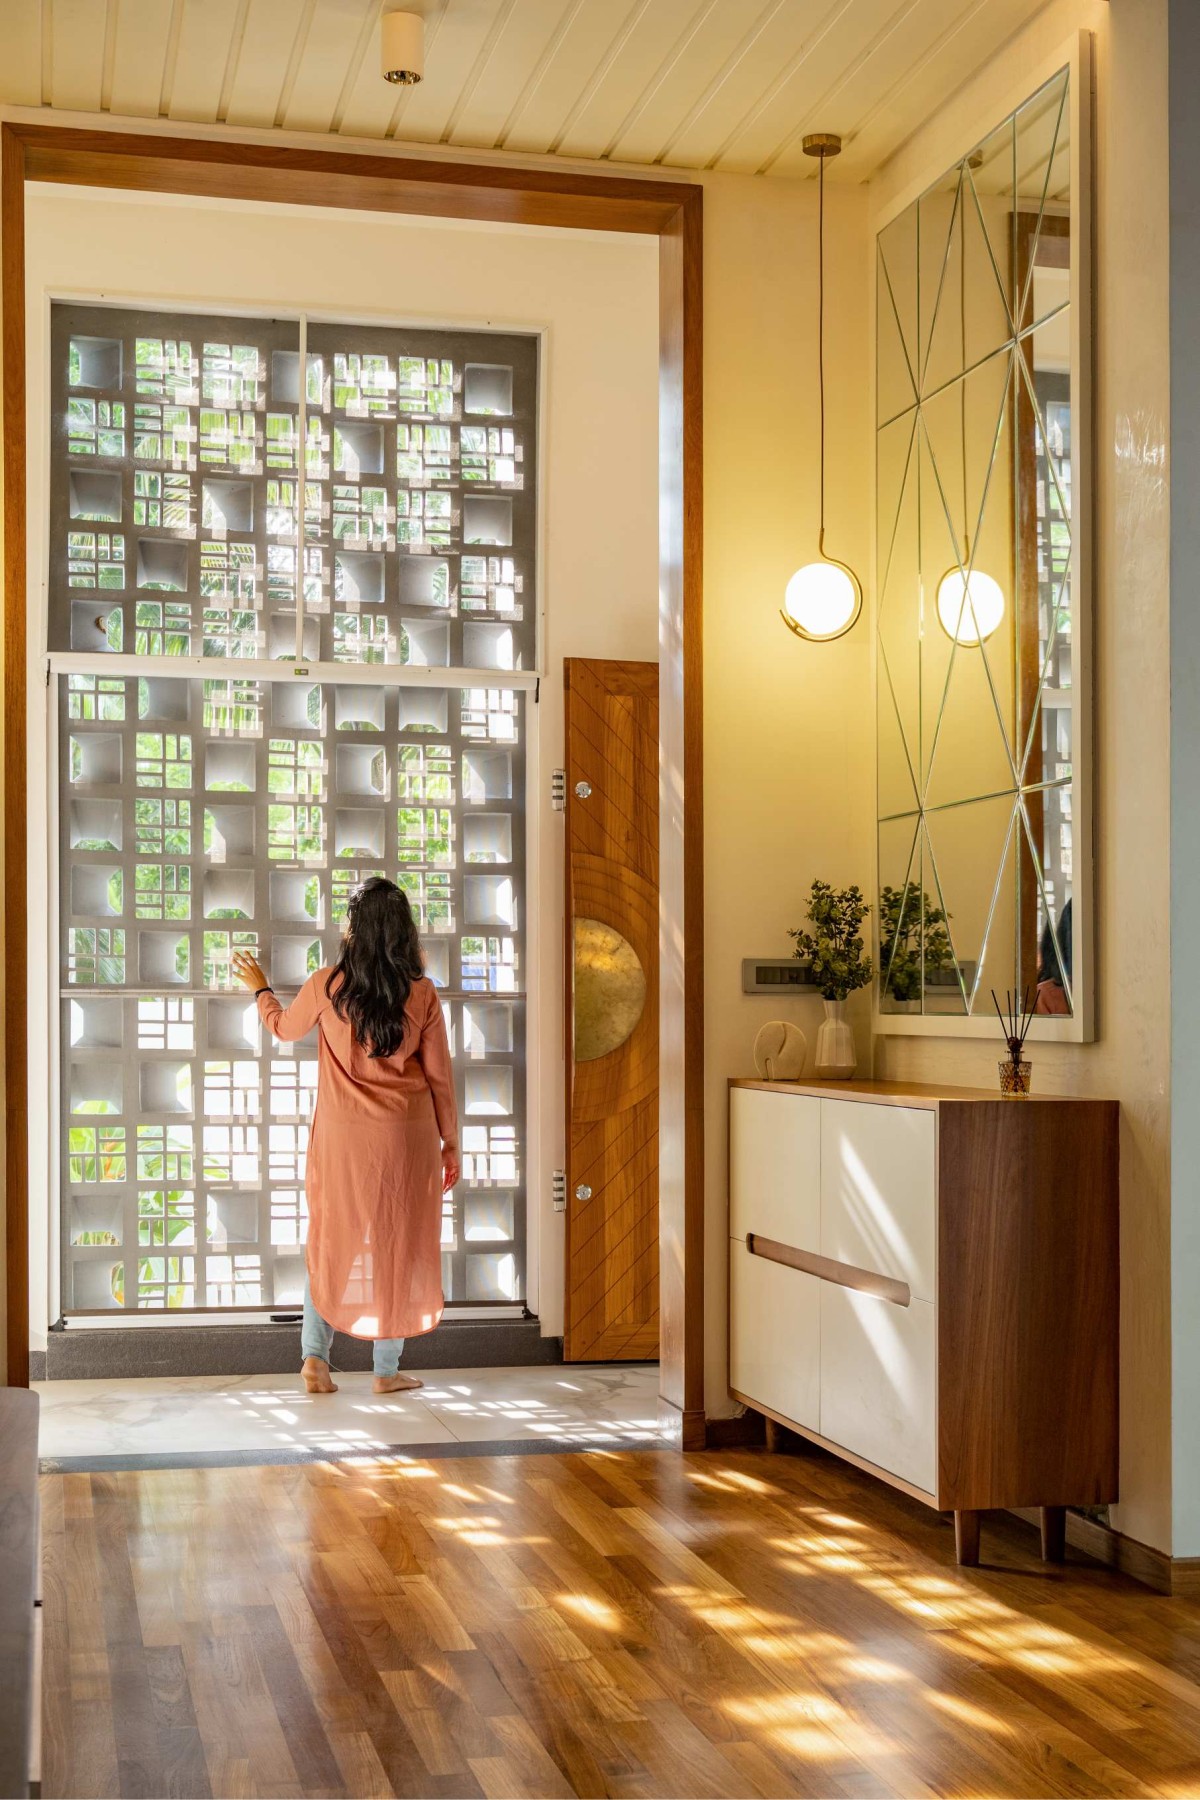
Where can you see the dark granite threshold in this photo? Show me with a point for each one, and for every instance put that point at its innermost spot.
(76, 1353)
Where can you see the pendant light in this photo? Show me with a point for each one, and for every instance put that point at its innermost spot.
(824, 598)
(970, 602)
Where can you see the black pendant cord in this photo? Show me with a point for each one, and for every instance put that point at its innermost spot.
(821, 333)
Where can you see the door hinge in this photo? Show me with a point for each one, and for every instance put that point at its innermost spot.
(559, 1190)
(558, 790)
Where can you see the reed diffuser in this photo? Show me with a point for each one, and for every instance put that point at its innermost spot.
(1014, 1023)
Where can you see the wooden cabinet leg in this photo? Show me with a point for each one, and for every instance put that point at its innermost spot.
(774, 1435)
(966, 1538)
(1054, 1533)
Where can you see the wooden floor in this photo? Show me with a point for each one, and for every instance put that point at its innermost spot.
(629, 1623)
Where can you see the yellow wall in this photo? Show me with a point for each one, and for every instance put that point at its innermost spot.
(1130, 1059)
(788, 727)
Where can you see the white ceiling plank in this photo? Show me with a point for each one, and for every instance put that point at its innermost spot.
(21, 70)
(77, 54)
(526, 38)
(592, 32)
(743, 82)
(271, 27)
(711, 51)
(689, 84)
(425, 112)
(915, 95)
(836, 45)
(143, 27)
(332, 39)
(205, 37)
(659, 35)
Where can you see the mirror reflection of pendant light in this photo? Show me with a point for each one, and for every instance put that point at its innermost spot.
(824, 598)
(970, 603)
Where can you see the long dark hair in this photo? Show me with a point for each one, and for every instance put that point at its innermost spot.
(380, 959)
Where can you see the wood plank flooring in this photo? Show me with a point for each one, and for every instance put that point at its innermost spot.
(611, 1623)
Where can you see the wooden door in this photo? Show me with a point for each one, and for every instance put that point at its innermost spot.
(612, 1011)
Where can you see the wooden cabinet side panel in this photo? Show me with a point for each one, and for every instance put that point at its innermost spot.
(1028, 1298)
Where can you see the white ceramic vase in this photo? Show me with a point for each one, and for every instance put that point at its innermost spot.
(836, 1060)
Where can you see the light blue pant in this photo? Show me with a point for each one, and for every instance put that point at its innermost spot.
(316, 1339)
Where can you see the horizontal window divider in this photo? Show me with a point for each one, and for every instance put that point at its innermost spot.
(173, 991)
(483, 1310)
(827, 1268)
(191, 668)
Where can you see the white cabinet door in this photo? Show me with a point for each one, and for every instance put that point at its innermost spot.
(775, 1167)
(775, 1336)
(878, 1191)
(878, 1396)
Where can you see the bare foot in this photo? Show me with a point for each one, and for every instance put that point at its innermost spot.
(317, 1379)
(396, 1384)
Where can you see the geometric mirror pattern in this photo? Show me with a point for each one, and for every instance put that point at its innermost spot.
(177, 523)
(205, 812)
(203, 816)
(976, 730)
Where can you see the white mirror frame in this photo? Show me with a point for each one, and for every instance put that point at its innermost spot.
(1077, 57)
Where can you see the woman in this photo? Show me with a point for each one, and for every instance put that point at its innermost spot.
(383, 1147)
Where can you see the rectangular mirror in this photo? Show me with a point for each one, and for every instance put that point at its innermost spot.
(981, 617)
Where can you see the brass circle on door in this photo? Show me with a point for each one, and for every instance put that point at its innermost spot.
(610, 989)
(583, 1191)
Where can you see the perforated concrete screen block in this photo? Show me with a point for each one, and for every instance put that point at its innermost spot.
(487, 520)
(202, 813)
(228, 506)
(488, 1218)
(94, 362)
(247, 818)
(95, 494)
(176, 486)
(425, 643)
(489, 388)
(358, 579)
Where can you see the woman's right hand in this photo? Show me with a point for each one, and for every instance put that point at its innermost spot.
(249, 971)
(451, 1169)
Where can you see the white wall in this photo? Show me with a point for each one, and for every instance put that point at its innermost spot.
(1130, 1060)
(595, 296)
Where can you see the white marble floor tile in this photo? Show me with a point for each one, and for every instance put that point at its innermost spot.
(260, 1413)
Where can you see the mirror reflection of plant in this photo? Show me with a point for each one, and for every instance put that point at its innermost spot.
(905, 928)
(835, 946)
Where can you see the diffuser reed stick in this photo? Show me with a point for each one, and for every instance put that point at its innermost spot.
(1015, 1020)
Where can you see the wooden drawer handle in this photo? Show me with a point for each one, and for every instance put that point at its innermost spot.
(864, 1281)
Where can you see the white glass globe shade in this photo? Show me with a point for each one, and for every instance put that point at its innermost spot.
(969, 607)
(822, 600)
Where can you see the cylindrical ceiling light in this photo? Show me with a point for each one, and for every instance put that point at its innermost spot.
(824, 598)
(402, 47)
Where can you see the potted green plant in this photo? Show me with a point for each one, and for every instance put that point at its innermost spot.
(914, 945)
(835, 950)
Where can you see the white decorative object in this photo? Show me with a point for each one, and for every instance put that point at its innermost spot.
(836, 1058)
(779, 1051)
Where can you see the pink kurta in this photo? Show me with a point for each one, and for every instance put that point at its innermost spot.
(374, 1164)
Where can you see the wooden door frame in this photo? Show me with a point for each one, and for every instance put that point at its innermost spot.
(670, 211)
